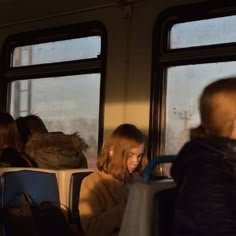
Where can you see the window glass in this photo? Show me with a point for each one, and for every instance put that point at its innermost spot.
(59, 51)
(203, 32)
(184, 86)
(68, 104)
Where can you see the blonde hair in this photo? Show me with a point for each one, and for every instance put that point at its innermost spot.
(217, 107)
(124, 138)
(9, 135)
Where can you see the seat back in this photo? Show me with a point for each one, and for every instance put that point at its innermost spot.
(163, 205)
(41, 186)
(75, 184)
(150, 205)
(163, 201)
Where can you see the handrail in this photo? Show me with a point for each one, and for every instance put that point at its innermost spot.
(154, 162)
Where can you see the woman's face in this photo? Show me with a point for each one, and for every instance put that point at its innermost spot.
(134, 157)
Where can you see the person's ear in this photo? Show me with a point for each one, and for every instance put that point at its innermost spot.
(111, 152)
(233, 133)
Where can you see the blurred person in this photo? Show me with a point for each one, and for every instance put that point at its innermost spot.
(205, 168)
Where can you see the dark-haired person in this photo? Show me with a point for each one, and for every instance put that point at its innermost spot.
(10, 144)
(30, 125)
(51, 150)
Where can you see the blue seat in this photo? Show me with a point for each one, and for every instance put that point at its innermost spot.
(152, 201)
(163, 201)
(41, 186)
(146, 176)
(75, 184)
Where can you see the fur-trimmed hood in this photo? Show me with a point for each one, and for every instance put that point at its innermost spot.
(57, 150)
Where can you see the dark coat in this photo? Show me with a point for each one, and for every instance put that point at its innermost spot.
(205, 174)
(9, 157)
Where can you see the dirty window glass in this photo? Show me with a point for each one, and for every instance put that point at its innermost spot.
(60, 102)
(58, 51)
(219, 30)
(184, 86)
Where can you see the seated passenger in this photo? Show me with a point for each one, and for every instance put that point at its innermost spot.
(10, 144)
(54, 150)
(205, 168)
(29, 125)
(104, 193)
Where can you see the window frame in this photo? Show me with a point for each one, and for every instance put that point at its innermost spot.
(163, 57)
(9, 74)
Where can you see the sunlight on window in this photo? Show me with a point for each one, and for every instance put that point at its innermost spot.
(203, 32)
(59, 51)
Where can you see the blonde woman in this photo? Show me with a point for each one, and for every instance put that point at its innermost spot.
(104, 193)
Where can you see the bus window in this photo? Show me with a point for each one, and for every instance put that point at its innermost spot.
(59, 79)
(184, 85)
(203, 32)
(190, 52)
(61, 51)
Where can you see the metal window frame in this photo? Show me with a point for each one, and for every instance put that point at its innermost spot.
(85, 66)
(163, 57)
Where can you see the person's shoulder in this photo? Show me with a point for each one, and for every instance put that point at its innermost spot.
(14, 158)
(92, 179)
(10, 153)
(198, 154)
(190, 147)
(99, 179)
(190, 155)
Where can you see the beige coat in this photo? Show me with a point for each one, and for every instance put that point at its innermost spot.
(102, 204)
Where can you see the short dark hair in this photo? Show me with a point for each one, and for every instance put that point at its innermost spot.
(30, 125)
